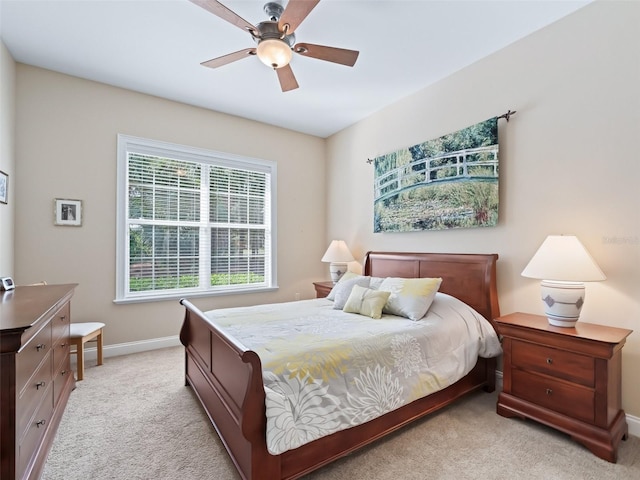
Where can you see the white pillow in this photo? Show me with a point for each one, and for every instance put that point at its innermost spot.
(410, 297)
(375, 283)
(342, 290)
(347, 276)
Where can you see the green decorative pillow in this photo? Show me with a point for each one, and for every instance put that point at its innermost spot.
(366, 301)
(410, 297)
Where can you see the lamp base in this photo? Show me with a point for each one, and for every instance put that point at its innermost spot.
(562, 302)
(337, 270)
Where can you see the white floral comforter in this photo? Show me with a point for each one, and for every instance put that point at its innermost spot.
(325, 370)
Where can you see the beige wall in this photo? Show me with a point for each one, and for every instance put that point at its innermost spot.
(7, 157)
(569, 162)
(66, 148)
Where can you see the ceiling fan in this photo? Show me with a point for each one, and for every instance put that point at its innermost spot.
(275, 39)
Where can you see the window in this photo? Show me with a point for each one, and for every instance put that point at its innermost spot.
(192, 222)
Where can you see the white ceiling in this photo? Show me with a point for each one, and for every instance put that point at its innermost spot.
(156, 47)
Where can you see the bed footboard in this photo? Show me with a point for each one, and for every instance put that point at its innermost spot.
(227, 379)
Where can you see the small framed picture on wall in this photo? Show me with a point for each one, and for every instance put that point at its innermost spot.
(4, 187)
(68, 212)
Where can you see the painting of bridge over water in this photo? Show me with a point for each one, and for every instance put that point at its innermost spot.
(447, 182)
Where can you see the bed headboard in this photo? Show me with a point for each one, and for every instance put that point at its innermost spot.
(466, 276)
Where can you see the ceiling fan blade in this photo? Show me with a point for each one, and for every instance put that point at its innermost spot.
(294, 13)
(330, 54)
(287, 78)
(223, 12)
(231, 57)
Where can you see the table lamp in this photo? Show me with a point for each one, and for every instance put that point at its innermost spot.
(339, 255)
(563, 264)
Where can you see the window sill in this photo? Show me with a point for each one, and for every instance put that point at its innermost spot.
(188, 295)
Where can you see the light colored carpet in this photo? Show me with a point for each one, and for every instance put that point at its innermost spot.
(133, 418)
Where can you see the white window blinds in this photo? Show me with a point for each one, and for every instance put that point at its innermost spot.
(194, 221)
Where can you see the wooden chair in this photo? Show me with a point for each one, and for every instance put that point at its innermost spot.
(82, 333)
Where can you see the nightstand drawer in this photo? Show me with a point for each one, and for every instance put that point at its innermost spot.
(551, 361)
(575, 401)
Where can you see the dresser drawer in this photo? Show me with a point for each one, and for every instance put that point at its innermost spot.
(570, 366)
(61, 349)
(572, 400)
(35, 430)
(31, 355)
(60, 323)
(35, 390)
(60, 378)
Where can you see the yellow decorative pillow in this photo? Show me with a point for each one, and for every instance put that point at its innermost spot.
(366, 301)
(410, 297)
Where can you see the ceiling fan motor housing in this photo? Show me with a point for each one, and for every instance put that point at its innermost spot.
(269, 29)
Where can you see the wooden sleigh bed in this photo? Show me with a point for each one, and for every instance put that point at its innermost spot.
(227, 379)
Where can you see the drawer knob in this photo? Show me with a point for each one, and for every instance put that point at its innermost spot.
(549, 391)
(549, 361)
(40, 423)
(40, 346)
(63, 318)
(63, 373)
(40, 384)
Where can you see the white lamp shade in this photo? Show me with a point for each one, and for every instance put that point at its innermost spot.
(338, 252)
(563, 258)
(562, 263)
(339, 255)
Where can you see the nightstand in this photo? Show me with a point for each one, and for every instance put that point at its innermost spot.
(323, 288)
(566, 378)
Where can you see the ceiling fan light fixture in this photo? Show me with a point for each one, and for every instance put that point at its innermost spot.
(274, 53)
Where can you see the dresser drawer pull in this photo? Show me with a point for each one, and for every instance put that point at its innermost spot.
(549, 391)
(40, 384)
(40, 346)
(63, 318)
(40, 423)
(549, 361)
(63, 372)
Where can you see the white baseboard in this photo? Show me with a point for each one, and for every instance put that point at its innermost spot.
(118, 349)
(634, 425)
(157, 343)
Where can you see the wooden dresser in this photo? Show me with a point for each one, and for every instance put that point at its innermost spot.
(567, 378)
(35, 375)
